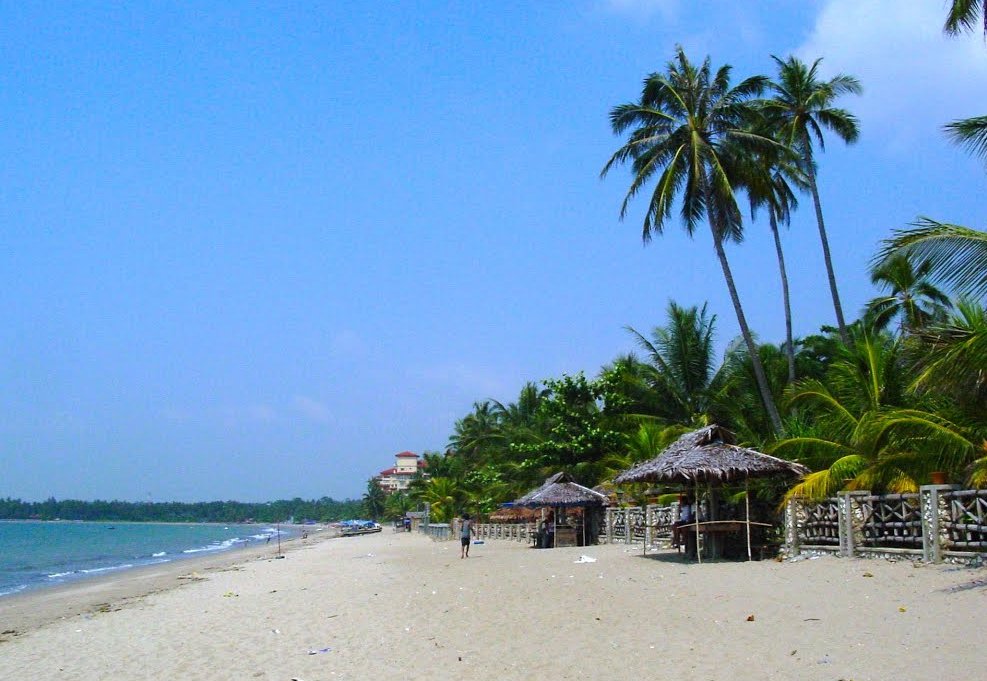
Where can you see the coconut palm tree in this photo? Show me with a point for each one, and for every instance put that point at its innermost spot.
(802, 106)
(688, 130)
(862, 430)
(680, 364)
(912, 297)
(965, 16)
(769, 186)
(956, 255)
(952, 359)
(374, 499)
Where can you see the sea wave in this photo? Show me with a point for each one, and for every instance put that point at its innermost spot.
(217, 546)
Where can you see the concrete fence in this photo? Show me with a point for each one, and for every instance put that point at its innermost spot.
(938, 523)
(650, 525)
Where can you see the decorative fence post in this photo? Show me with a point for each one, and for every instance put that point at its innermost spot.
(792, 527)
(851, 522)
(609, 525)
(649, 521)
(934, 511)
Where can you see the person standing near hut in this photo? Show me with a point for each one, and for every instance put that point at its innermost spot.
(466, 532)
(687, 515)
(550, 530)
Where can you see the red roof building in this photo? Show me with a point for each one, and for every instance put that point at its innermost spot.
(398, 477)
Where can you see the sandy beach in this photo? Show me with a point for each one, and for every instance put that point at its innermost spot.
(396, 605)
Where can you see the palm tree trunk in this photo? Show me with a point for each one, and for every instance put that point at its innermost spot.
(841, 324)
(789, 344)
(762, 381)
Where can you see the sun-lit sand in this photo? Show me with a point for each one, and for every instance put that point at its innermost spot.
(399, 606)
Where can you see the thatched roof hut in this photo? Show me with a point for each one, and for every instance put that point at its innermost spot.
(561, 490)
(709, 455)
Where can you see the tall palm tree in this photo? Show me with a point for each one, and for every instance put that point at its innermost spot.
(769, 186)
(802, 106)
(956, 255)
(965, 16)
(911, 297)
(688, 130)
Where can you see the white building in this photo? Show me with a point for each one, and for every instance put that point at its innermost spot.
(406, 466)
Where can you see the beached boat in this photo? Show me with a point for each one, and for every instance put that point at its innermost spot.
(350, 528)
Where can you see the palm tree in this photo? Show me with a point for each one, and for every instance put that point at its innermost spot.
(863, 432)
(912, 297)
(680, 364)
(965, 15)
(374, 499)
(953, 359)
(444, 496)
(801, 107)
(689, 130)
(769, 185)
(956, 255)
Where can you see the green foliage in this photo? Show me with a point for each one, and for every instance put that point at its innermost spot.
(578, 425)
(374, 500)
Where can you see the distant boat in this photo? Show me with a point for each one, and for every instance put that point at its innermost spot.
(351, 528)
(111, 527)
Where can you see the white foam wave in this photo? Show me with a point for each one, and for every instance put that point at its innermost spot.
(59, 575)
(107, 569)
(159, 554)
(217, 546)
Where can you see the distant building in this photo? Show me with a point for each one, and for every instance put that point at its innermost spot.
(396, 479)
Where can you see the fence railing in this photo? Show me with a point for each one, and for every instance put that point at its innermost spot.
(938, 522)
(519, 532)
(649, 525)
(439, 531)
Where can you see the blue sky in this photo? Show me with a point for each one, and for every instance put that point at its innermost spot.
(253, 251)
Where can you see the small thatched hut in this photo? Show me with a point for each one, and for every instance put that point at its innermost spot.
(561, 492)
(709, 456)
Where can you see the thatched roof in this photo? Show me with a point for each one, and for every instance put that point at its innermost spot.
(561, 490)
(709, 455)
(514, 514)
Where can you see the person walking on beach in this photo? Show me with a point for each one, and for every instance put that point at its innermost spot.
(466, 532)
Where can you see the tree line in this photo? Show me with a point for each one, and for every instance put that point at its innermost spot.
(319, 510)
(880, 402)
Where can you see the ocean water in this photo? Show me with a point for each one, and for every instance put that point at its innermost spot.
(35, 554)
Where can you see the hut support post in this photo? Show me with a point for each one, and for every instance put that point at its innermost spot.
(747, 512)
(695, 519)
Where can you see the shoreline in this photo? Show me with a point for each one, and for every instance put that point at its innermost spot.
(38, 606)
(400, 605)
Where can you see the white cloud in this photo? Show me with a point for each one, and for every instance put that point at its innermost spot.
(915, 79)
(312, 409)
